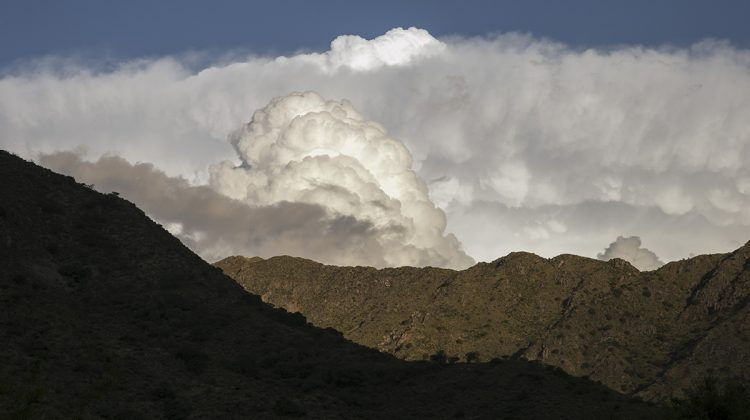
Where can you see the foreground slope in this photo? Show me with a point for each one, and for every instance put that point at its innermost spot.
(103, 314)
(652, 334)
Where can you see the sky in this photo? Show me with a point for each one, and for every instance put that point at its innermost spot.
(385, 134)
(142, 28)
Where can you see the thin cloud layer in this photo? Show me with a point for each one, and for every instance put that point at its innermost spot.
(523, 142)
(630, 250)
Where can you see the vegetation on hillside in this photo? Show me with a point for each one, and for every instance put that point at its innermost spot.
(651, 334)
(103, 314)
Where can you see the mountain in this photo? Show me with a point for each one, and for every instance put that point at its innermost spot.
(103, 314)
(650, 334)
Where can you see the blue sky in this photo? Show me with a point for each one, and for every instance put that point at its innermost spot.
(136, 28)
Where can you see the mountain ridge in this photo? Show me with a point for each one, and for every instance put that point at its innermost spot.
(650, 333)
(104, 314)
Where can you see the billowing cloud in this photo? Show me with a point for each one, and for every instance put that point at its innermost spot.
(630, 250)
(396, 47)
(524, 143)
(216, 226)
(304, 149)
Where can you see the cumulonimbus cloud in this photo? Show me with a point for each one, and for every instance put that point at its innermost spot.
(630, 250)
(303, 149)
(524, 143)
(216, 226)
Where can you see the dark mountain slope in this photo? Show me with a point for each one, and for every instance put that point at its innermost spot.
(103, 314)
(651, 333)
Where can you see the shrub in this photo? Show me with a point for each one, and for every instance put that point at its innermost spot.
(439, 357)
(472, 357)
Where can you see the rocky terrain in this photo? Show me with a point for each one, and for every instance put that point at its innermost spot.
(103, 314)
(650, 334)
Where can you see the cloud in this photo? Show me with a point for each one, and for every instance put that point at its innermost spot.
(511, 132)
(216, 226)
(629, 249)
(397, 47)
(301, 148)
(316, 180)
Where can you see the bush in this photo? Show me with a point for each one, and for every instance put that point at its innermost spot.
(439, 357)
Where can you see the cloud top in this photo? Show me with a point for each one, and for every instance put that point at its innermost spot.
(397, 47)
(216, 226)
(302, 148)
(630, 250)
(524, 143)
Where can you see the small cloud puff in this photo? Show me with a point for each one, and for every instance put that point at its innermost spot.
(629, 249)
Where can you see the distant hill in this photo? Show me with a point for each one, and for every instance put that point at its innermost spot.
(651, 334)
(103, 314)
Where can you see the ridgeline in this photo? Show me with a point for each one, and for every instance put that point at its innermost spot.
(650, 334)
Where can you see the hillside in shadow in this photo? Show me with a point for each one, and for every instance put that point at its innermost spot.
(105, 315)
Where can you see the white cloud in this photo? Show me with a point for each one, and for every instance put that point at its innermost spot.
(674, 201)
(557, 226)
(511, 131)
(536, 233)
(304, 149)
(630, 250)
(397, 47)
(216, 226)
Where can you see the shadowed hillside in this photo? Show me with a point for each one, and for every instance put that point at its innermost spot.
(652, 334)
(105, 315)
